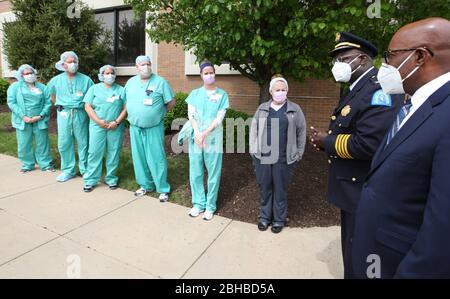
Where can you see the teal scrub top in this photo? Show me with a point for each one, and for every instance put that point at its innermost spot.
(146, 102)
(33, 98)
(25, 101)
(106, 102)
(207, 104)
(70, 94)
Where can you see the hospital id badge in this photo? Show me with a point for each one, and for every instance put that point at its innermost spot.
(79, 94)
(36, 90)
(111, 99)
(63, 113)
(148, 102)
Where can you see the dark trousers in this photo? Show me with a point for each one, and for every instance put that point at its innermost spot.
(347, 230)
(273, 181)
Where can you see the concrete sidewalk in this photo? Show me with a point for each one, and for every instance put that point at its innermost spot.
(54, 230)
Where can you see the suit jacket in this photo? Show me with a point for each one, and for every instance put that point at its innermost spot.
(358, 125)
(404, 212)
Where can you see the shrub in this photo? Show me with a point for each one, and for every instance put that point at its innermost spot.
(179, 111)
(43, 30)
(233, 114)
(4, 84)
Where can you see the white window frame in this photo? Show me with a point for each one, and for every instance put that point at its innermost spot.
(191, 67)
(7, 72)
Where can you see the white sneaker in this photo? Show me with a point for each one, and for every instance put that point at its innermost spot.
(140, 192)
(164, 197)
(208, 215)
(194, 212)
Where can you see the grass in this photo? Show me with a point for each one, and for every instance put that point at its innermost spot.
(178, 164)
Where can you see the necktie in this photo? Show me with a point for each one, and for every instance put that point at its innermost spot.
(400, 117)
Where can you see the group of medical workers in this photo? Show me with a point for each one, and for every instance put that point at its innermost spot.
(92, 115)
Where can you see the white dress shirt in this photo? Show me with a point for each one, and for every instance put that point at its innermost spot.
(423, 93)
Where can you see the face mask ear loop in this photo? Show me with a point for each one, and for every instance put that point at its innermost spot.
(404, 61)
(412, 73)
(356, 69)
(350, 63)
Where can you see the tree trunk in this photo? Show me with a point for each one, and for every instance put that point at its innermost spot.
(264, 94)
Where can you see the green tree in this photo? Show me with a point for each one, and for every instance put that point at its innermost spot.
(43, 29)
(262, 37)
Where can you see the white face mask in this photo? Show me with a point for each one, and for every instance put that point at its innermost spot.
(72, 67)
(31, 78)
(342, 71)
(390, 78)
(145, 71)
(109, 79)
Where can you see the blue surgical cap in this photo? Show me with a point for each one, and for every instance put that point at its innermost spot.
(142, 59)
(206, 64)
(103, 69)
(22, 68)
(64, 57)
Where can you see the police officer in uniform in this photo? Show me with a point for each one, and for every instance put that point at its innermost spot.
(358, 124)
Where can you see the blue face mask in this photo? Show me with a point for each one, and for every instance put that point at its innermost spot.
(109, 79)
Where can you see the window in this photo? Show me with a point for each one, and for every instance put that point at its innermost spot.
(128, 35)
(191, 67)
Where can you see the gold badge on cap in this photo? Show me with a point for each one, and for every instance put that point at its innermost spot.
(338, 36)
(346, 110)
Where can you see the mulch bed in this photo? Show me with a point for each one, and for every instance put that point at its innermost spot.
(239, 193)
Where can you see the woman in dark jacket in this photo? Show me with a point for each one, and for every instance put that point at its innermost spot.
(277, 143)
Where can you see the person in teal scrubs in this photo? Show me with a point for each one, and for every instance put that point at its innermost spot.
(30, 105)
(148, 97)
(104, 105)
(68, 90)
(207, 106)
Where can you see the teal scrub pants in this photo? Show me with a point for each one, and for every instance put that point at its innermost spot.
(212, 159)
(149, 158)
(99, 141)
(27, 153)
(73, 124)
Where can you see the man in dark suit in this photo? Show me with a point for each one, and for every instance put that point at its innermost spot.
(403, 220)
(357, 127)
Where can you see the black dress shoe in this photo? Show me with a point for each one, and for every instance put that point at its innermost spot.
(112, 187)
(262, 226)
(88, 189)
(276, 229)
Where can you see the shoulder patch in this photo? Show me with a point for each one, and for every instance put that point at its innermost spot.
(379, 98)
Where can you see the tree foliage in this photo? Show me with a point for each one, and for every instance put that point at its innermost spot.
(263, 37)
(43, 30)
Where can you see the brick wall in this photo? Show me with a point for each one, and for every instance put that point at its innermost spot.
(317, 98)
(5, 6)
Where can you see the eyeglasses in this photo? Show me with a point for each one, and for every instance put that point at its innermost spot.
(388, 53)
(345, 58)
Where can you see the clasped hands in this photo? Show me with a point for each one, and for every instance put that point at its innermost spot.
(30, 120)
(108, 125)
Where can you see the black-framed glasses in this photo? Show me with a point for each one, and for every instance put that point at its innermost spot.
(388, 53)
(148, 92)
